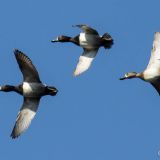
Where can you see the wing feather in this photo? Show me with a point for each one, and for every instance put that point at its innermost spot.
(156, 85)
(85, 61)
(87, 29)
(154, 62)
(25, 116)
(30, 74)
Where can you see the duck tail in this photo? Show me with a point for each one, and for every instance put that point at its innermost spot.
(108, 41)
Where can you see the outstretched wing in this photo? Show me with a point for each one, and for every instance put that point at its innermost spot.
(25, 116)
(85, 61)
(156, 85)
(28, 70)
(154, 62)
(87, 29)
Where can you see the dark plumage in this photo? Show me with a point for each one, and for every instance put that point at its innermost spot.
(28, 70)
(31, 89)
(90, 41)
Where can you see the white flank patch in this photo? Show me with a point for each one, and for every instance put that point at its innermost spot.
(82, 37)
(88, 41)
(27, 87)
(83, 40)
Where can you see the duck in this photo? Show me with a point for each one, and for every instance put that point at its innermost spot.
(152, 72)
(90, 40)
(32, 90)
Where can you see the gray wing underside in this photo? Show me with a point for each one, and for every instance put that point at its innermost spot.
(85, 61)
(25, 116)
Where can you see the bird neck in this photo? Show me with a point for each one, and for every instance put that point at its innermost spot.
(74, 40)
(139, 75)
(10, 88)
(65, 39)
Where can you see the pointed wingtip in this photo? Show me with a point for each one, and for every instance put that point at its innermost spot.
(17, 51)
(13, 135)
(157, 35)
(156, 41)
(157, 32)
(75, 74)
(80, 25)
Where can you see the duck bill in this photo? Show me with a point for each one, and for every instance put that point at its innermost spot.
(122, 78)
(52, 90)
(54, 40)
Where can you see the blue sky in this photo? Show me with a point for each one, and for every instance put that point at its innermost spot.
(94, 116)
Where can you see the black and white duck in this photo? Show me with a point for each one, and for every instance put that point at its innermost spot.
(90, 40)
(32, 89)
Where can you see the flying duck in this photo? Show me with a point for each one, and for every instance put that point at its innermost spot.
(152, 73)
(90, 40)
(32, 89)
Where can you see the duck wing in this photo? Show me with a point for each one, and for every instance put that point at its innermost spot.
(85, 61)
(86, 29)
(25, 116)
(154, 62)
(156, 85)
(30, 74)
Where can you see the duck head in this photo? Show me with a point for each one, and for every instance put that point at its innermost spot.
(50, 90)
(129, 75)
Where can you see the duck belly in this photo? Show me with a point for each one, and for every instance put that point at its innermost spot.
(33, 89)
(89, 41)
(151, 75)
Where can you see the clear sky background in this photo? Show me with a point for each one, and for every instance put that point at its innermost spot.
(94, 116)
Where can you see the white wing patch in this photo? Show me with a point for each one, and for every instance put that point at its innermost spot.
(85, 61)
(83, 64)
(154, 62)
(24, 119)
